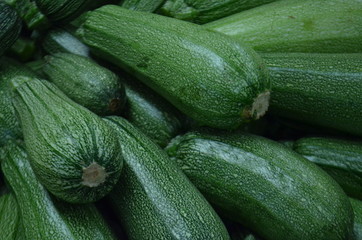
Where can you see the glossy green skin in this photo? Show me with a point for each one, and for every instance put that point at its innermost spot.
(319, 89)
(142, 5)
(206, 75)
(60, 41)
(341, 159)
(298, 26)
(357, 209)
(86, 82)
(265, 186)
(10, 27)
(62, 138)
(9, 125)
(45, 217)
(204, 11)
(154, 199)
(150, 113)
(10, 217)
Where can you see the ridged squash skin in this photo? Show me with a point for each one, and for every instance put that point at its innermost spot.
(204, 11)
(75, 155)
(9, 125)
(319, 89)
(85, 82)
(154, 199)
(10, 218)
(208, 76)
(10, 27)
(44, 216)
(265, 186)
(357, 209)
(341, 159)
(321, 26)
(142, 5)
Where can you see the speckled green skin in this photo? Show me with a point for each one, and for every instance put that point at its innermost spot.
(10, 26)
(142, 5)
(265, 186)
(150, 113)
(206, 75)
(9, 217)
(341, 159)
(298, 26)
(62, 138)
(59, 40)
(154, 199)
(357, 209)
(45, 217)
(204, 11)
(86, 83)
(9, 124)
(319, 89)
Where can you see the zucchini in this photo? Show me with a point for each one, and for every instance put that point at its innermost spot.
(320, 26)
(44, 216)
(61, 41)
(204, 11)
(142, 5)
(265, 186)
(209, 77)
(341, 159)
(10, 218)
(23, 49)
(9, 126)
(319, 89)
(150, 113)
(357, 209)
(10, 27)
(86, 82)
(75, 155)
(155, 194)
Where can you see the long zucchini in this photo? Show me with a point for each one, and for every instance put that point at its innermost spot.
(265, 186)
(154, 199)
(208, 76)
(10, 218)
(142, 5)
(10, 26)
(328, 26)
(357, 209)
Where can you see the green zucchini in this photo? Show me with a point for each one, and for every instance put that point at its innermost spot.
(319, 89)
(332, 26)
(61, 41)
(10, 218)
(142, 5)
(357, 209)
(86, 82)
(10, 26)
(150, 113)
(341, 159)
(204, 11)
(9, 125)
(154, 199)
(23, 49)
(44, 216)
(265, 186)
(75, 155)
(208, 76)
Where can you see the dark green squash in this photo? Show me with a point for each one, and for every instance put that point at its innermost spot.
(10, 26)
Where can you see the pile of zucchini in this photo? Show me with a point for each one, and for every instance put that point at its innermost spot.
(181, 119)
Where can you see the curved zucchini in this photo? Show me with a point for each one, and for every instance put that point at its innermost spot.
(10, 218)
(10, 26)
(9, 125)
(319, 89)
(265, 186)
(142, 5)
(75, 155)
(153, 192)
(357, 209)
(341, 159)
(86, 82)
(45, 217)
(204, 11)
(61, 41)
(319, 26)
(206, 75)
